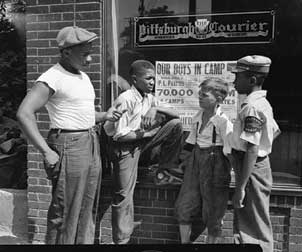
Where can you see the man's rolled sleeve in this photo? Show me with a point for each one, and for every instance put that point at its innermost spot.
(48, 79)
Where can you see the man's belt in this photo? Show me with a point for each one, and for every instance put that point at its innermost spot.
(58, 131)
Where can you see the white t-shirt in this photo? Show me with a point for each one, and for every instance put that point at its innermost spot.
(72, 104)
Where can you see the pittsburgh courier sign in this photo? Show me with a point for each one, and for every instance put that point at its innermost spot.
(223, 28)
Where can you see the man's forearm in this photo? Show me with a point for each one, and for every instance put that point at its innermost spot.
(100, 117)
(30, 129)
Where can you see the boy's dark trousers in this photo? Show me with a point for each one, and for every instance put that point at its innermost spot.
(125, 157)
(205, 189)
(252, 222)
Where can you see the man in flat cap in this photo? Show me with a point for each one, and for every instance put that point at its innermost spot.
(252, 139)
(71, 152)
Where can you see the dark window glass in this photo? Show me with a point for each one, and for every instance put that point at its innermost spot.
(283, 83)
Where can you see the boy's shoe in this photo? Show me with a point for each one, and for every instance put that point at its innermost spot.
(164, 177)
(136, 224)
(178, 172)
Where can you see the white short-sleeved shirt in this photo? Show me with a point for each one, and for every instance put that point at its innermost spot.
(255, 124)
(137, 106)
(72, 104)
(223, 128)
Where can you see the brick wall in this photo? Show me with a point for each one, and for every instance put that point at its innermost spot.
(287, 222)
(154, 206)
(44, 19)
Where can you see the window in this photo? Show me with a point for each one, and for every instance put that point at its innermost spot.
(285, 51)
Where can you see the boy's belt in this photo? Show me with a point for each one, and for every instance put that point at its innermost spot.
(209, 148)
(239, 152)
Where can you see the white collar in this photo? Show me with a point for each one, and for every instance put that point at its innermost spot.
(254, 96)
(214, 119)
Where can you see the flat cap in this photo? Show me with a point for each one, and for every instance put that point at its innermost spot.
(254, 63)
(73, 35)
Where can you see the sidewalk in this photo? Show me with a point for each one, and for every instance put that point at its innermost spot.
(9, 240)
(13, 216)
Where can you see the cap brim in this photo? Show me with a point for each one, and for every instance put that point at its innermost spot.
(232, 67)
(237, 70)
(92, 39)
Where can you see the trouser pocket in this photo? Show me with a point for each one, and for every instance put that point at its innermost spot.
(53, 171)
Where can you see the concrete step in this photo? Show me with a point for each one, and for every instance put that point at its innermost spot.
(13, 216)
(8, 239)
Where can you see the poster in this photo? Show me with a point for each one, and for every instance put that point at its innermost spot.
(177, 83)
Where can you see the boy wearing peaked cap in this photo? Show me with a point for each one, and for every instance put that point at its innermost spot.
(251, 142)
(71, 152)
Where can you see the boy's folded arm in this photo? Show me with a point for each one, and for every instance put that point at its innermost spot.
(170, 112)
(135, 135)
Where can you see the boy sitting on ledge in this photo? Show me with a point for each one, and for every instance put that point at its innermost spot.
(144, 125)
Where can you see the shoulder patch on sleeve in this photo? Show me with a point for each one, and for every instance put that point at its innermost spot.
(252, 124)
